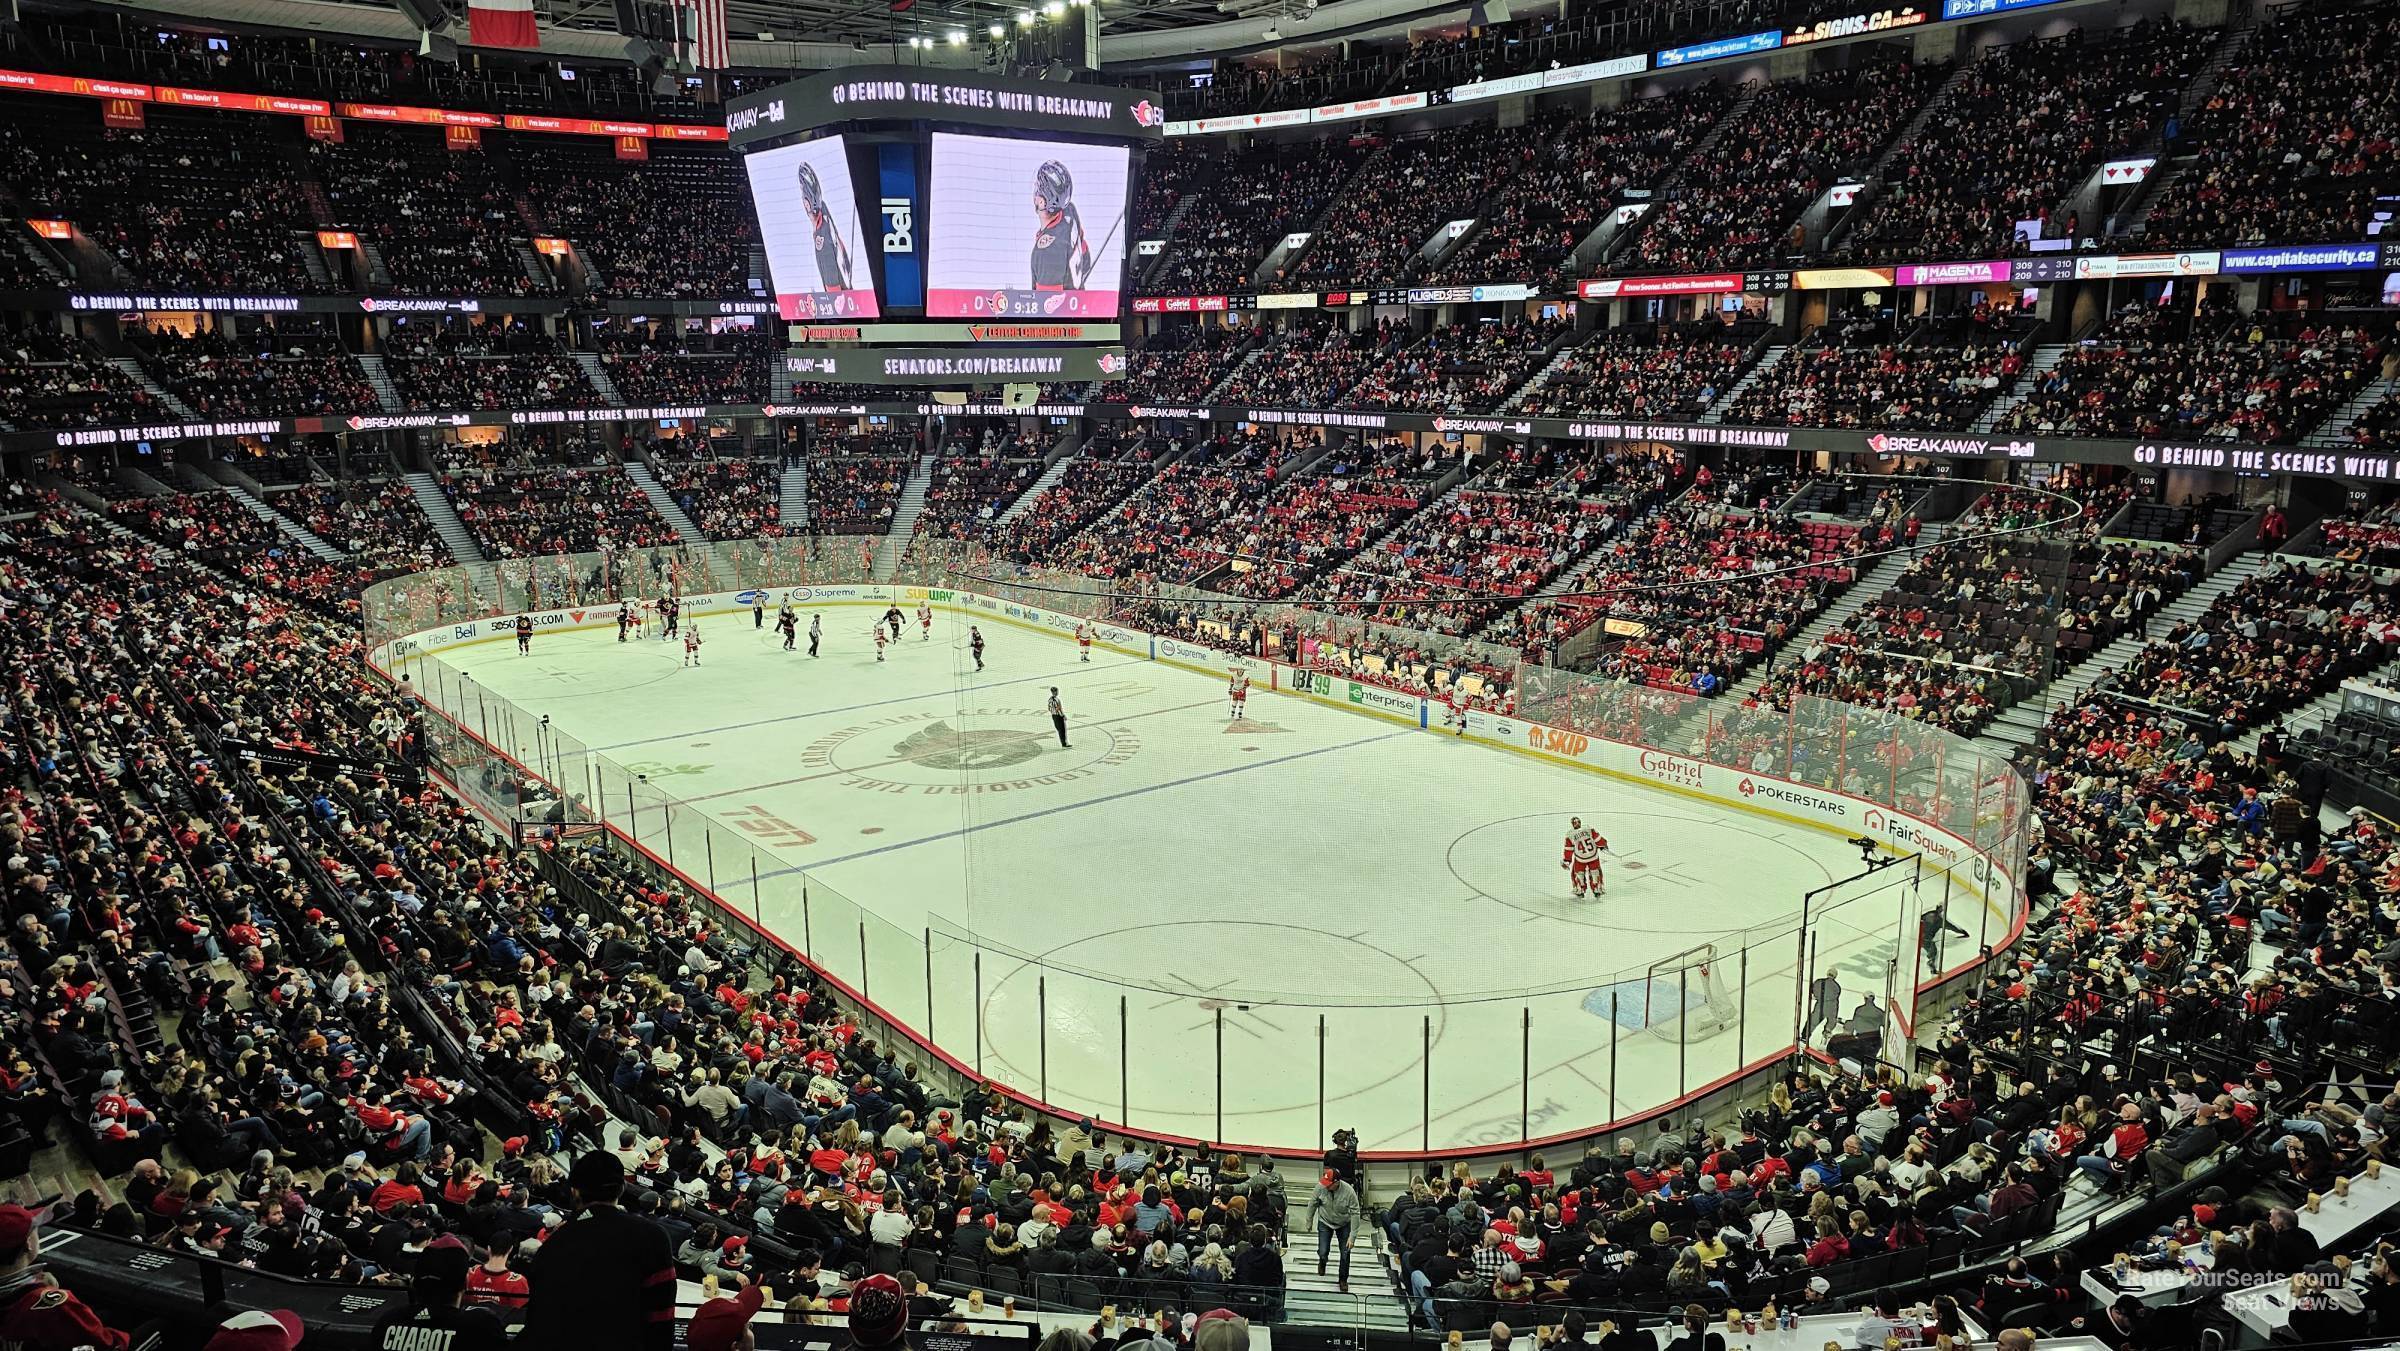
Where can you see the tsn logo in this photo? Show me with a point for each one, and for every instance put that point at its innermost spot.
(900, 225)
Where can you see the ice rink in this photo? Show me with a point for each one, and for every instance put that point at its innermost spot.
(1153, 922)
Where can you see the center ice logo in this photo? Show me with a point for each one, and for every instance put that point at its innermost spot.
(942, 746)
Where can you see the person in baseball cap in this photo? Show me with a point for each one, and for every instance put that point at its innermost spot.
(257, 1330)
(35, 1311)
(724, 1324)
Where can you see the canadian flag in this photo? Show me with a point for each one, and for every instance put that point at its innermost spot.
(501, 23)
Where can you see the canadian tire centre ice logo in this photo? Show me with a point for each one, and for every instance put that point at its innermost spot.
(942, 746)
(986, 750)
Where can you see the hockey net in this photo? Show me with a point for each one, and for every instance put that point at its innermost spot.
(1689, 995)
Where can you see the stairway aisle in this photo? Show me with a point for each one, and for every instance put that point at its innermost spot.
(1767, 362)
(379, 379)
(793, 515)
(140, 375)
(597, 373)
(2045, 359)
(904, 518)
(666, 506)
(436, 505)
(2019, 725)
(300, 534)
(1860, 594)
(1051, 475)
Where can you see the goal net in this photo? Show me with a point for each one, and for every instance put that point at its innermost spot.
(1688, 995)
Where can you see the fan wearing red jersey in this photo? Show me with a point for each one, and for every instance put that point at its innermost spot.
(1581, 858)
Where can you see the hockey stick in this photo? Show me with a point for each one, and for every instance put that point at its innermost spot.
(1092, 256)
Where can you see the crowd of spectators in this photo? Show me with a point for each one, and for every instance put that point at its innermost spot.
(1987, 158)
(1708, 590)
(193, 201)
(246, 375)
(974, 481)
(2296, 137)
(380, 525)
(527, 515)
(441, 219)
(1737, 205)
(677, 224)
(2227, 377)
(1876, 382)
(54, 379)
(1659, 371)
(1471, 365)
(1106, 470)
(1309, 365)
(728, 497)
(1560, 194)
(1373, 230)
(2378, 426)
(854, 491)
(1181, 364)
(216, 529)
(664, 380)
(2279, 639)
(1260, 194)
(483, 363)
(1453, 567)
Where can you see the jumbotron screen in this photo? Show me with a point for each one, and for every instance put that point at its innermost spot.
(1026, 229)
(808, 219)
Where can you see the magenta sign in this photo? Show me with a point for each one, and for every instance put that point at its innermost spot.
(1954, 274)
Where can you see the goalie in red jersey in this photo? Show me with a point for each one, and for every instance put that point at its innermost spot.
(1581, 858)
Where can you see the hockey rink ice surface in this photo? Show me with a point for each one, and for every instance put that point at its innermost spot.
(1174, 881)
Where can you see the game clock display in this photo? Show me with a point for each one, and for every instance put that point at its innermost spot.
(1026, 229)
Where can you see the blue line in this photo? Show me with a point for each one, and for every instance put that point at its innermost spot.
(1078, 806)
(853, 708)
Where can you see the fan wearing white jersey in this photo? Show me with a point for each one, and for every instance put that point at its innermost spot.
(1238, 689)
(1582, 857)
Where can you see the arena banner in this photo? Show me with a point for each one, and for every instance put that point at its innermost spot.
(2356, 465)
(919, 93)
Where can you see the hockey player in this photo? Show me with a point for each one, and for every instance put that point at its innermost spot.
(1237, 690)
(524, 634)
(975, 644)
(691, 645)
(624, 619)
(924, 622)
(882, 637)
(787, 624)
(1083, 638)
(1582, 857)
(670, 610)
(816, 630)
(893, 617)
(1455, 711)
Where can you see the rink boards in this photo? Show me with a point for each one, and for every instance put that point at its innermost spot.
(1757, 794)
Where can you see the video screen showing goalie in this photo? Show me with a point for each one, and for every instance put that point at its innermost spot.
(808, 219)
(1026, 229)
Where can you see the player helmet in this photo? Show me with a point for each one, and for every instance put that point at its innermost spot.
(1053, 187)
(811, 191)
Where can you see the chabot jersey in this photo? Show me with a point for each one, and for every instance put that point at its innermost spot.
(833, 271)
(1054, 246)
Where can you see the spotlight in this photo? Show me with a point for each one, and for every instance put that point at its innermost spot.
(1055, 8)
(1024, 18)
(999, 31)
(958, 37)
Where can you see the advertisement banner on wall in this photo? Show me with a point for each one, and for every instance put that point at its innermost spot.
(1744, 45)
(2190, 263)
(1627, 288)
(1955, 274)
(2300, 258)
